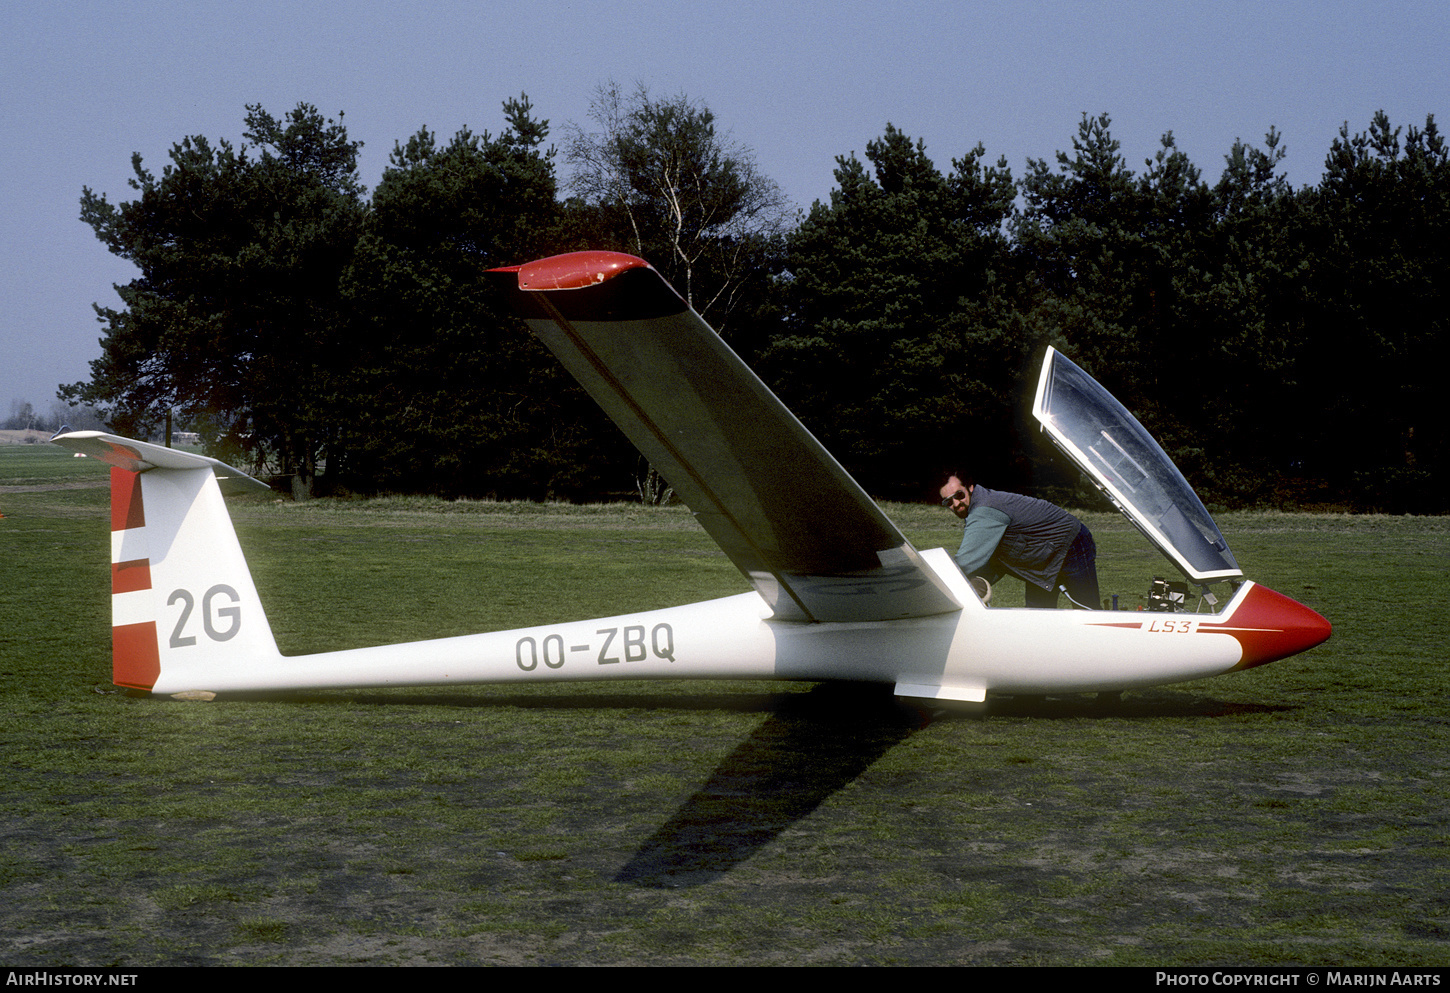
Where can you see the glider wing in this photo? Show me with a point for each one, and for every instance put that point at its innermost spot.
(810, 540)
(139, 456)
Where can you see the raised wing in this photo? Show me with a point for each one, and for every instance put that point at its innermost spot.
(139, 456)
(810, 540)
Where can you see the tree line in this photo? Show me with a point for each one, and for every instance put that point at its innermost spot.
(24, 417)
(1281, 343)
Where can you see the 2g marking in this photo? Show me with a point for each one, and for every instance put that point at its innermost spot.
(635, 647)
(209, 615)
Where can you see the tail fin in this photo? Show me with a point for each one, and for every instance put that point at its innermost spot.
(183, 604)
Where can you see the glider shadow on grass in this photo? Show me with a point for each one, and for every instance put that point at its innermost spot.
(810, 747)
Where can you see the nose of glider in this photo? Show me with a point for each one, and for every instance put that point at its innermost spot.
(1270, 626)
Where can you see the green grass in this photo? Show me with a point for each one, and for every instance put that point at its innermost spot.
(40, 465)
(1296, 813)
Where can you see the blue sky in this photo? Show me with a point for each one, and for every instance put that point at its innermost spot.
(87, 84)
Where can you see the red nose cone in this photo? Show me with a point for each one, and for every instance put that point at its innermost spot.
(1270, 626)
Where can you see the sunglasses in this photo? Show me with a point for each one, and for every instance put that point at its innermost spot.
(958, 495)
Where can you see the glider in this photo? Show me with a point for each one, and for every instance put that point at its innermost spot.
(838, 591)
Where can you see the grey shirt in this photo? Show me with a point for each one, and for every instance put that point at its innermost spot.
(1008, 532)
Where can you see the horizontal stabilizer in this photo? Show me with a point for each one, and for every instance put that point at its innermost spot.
(139, 456)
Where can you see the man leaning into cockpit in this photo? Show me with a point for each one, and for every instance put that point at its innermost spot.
(1036, 541)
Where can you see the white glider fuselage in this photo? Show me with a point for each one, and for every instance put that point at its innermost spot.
(839, 592)
(958, 656)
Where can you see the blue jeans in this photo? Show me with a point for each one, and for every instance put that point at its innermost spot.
(1079, 574)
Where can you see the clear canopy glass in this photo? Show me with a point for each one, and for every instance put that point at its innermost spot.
(1097, 432)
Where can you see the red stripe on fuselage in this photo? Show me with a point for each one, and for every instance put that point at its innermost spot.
(1268, 626)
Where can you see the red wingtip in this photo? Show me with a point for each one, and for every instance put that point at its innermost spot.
(573, 271)
(1270, 626)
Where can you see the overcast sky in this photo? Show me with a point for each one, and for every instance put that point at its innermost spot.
(87, 84)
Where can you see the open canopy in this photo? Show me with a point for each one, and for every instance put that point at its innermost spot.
(1097, 432)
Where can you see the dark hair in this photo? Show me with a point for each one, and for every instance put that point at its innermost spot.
(947, 473)
(939, 482)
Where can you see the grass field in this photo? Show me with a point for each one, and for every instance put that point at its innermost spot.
(1296, 813)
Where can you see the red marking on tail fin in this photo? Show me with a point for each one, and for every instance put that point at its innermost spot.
(126, 511)
(128, 577)
(135, 657)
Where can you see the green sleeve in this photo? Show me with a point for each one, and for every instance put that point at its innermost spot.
(980, 537)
